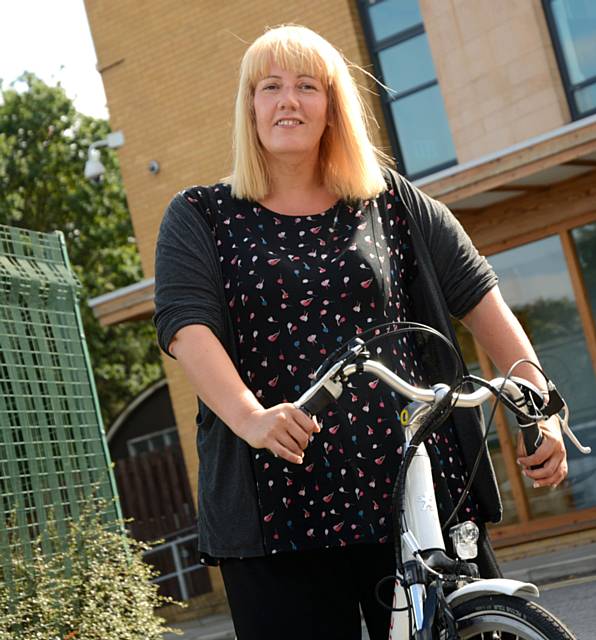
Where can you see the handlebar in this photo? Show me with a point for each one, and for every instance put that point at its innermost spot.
(523, 394)
(530, 404)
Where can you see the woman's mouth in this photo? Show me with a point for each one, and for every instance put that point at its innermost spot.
(288, 122)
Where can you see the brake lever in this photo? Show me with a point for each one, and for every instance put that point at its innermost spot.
(555, 405)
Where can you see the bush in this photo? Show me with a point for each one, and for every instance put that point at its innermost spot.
(94, 586)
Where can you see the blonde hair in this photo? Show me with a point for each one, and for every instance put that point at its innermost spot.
(350, 165)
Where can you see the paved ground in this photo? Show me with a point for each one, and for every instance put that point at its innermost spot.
(574, 603)
(566, 579)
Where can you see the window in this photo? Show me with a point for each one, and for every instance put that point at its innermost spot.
(535, 281)
(414, 108)
(153, 441)
(572, 25)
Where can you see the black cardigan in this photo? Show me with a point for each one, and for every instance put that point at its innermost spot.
(451, 279)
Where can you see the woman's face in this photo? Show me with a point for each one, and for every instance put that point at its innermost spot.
(290, 112)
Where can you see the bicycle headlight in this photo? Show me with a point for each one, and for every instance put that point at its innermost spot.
(464, 537)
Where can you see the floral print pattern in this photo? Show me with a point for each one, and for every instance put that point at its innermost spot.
(297, 287)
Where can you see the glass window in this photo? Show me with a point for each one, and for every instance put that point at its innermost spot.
(399, 73)
(576, 27)
(535, 282)
(586, 98)
(423, 132)
(153, 441)
(585, 245)
(414, 108)
(385, 16)
(573, 28)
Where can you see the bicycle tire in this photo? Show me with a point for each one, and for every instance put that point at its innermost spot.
(502, 617)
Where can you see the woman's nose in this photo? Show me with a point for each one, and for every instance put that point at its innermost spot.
(288, 99)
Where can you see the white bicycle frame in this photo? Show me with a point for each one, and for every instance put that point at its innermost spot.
(422, 529)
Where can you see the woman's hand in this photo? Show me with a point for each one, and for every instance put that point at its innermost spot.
(551, 456)
(283, 429)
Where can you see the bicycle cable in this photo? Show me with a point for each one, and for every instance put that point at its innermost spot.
(406, 327)
(498, 398)
(401, 327)
(394, 578)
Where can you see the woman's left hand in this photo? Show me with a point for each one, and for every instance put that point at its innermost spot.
(550, 457)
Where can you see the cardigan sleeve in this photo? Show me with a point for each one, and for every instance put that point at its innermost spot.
(464, 275)
(186, 272)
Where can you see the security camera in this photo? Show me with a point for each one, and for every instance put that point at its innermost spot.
(94, 169)
(154, 167)
(98, 179)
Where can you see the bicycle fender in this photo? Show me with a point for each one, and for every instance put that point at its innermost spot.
(494, 585)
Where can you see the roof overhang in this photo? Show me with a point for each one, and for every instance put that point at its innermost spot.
(134, 302)
(537, 164)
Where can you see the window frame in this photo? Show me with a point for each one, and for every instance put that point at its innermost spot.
(387, 98)
(568, 86)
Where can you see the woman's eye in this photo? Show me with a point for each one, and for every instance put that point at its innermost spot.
(269, 87)
(308, 87)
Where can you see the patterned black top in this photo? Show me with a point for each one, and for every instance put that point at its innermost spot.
(297, 287)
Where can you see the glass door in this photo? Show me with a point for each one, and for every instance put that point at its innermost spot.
(535, 281)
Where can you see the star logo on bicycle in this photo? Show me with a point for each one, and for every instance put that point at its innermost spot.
(426, 503)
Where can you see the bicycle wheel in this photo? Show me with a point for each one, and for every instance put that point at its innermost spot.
(501, 617)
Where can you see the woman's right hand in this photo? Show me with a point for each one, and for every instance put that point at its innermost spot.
(283, 429)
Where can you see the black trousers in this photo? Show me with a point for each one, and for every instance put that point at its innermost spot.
(310, 595)
(317, 595)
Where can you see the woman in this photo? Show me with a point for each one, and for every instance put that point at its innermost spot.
(310, 241)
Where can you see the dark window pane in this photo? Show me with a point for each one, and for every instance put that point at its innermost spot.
(423, 130)
(536, 284)
(392, 16)
(407, 64)
(197, 582)
(162, 560)
(585, 244)
(585, 98)
(576, 27)
(189, 553)
(170, 588)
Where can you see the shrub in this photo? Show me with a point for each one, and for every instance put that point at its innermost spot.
(93, 586)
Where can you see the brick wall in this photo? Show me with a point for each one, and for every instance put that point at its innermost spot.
(170, 69)
(497, 71)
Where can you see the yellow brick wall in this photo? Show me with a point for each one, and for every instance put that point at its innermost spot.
(497, 71)
(170, 69)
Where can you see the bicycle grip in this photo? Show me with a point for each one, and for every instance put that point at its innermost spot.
(532, 439)
(317, 403)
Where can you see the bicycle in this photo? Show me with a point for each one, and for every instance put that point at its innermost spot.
(437, 597)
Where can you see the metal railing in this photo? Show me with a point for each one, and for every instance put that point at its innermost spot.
(180, 571)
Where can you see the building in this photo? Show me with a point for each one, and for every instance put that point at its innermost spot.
(491, 108)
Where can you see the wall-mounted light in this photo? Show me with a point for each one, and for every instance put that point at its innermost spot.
(94, 169)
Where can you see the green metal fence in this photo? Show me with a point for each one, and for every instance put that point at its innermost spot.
(53, 453)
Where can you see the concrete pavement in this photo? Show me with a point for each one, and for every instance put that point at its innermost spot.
(540, 569)
(218, 627)
(579, 561)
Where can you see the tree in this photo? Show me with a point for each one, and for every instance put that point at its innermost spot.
(43, 148)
